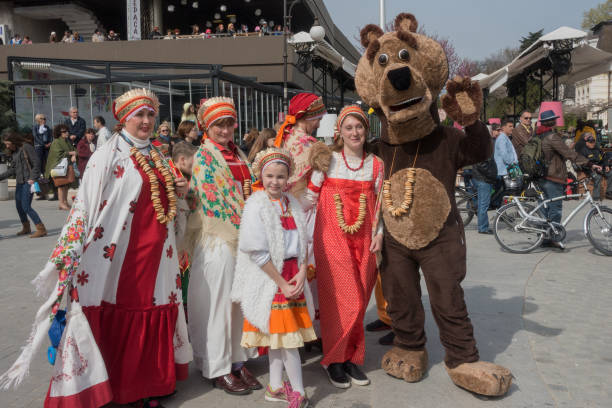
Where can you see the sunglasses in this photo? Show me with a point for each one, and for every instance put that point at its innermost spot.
(527, 117)
(65, 131)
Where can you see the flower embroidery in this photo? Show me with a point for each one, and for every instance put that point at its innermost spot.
(172, 298)
(124, 226)
(169, 252)
(178, 281)
(109, 251)
(98, 233)
(119, 171)
(103, 204)
(82, 278)
(132, 206)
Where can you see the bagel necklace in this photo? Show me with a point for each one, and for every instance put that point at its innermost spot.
(353, 228)
(404, 207)
(169, 181)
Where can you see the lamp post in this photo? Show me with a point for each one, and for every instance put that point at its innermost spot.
(316, 32)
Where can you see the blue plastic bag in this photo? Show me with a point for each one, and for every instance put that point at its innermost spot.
(55, 334)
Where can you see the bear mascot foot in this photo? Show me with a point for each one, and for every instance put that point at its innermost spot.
(409, 365)
(481, 378)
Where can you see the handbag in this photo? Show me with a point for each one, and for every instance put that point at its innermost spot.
(68, 179)
(61, 169)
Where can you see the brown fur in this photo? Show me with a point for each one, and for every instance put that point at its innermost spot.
(320, 157)
(462, 100)
(482, 378)
(408, 365)
(408, 38)
(406, 21)
(372, 49)
(428, 213)
(369, 33)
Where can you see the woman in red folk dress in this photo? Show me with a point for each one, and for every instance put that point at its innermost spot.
(347, 235)
(126, 339)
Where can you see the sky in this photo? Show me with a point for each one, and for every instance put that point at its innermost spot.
(477, 28)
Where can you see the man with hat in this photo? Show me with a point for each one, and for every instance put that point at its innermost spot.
(591, 151)
(556, 152)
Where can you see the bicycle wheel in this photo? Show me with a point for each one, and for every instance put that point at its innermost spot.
(518, 241)
(599, 229)
(465, 205)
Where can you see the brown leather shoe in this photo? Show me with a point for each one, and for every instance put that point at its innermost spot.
(248, 378)
(231, 384)
(41, 231)
(25, 228)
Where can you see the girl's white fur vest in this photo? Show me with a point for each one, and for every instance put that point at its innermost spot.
(252, 287)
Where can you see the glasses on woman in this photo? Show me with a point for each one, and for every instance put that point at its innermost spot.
(64, 131)
(164, 130)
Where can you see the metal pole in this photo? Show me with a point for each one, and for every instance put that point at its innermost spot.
(90, 106)
(255, 113)
(51, 97)
(170, 99)
(382, 14)
(285, 29)
(32, 100)
(70, 92)
(246, 109)
(239, 114)
(190, 99)
(268, 109)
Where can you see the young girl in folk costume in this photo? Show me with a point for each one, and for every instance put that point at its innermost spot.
(296, 135)
(116, 257)
(221, 181)
(270, 276)
(347, 235)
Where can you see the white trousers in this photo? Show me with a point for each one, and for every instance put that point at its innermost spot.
(215, 323)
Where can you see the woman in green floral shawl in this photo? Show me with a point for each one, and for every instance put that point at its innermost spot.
(60, 148)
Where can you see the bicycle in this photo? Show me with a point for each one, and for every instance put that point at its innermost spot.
(520, 227)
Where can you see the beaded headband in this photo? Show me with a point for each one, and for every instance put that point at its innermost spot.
(272, 155)
(214, 109)
(132, 101)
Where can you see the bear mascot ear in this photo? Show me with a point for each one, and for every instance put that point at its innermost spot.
(364, 76)
(406, 22)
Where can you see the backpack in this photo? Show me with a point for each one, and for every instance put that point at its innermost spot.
(531, 160)
(487, 170)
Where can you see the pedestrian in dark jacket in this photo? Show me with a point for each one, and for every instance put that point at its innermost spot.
(556, 152)
(85, 149)
(484, 177)
(26, 170)
(591, 151)
(43, 136)
(76, 126)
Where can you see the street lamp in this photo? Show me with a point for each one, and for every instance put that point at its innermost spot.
(317, 33)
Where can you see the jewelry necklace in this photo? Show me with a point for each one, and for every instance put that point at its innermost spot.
(360, 165)
(169, 181)
(408, 188)
(361, 214)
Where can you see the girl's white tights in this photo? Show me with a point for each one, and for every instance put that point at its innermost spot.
(290, 358)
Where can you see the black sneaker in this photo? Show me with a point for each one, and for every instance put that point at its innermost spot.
(337, 376)
(377, 325)
(357, 376)
(387, 339)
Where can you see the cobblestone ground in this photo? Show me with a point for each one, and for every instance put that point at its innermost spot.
(545, 315)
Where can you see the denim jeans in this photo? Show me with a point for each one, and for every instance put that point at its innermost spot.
(597, 183)
(484, 197)
(552, 190)
(23, 202)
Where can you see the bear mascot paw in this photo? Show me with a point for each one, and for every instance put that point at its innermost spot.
(408, 365)
(482, 378)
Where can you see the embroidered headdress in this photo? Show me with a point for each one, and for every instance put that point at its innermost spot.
(304, 105)
(272, 155)
(352, 110)
(214, 109)
(132, 102)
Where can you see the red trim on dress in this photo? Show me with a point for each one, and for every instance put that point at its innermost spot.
(95, 396)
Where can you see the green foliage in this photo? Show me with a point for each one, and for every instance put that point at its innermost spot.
(530, 38)
(7, 115)
(594, 16)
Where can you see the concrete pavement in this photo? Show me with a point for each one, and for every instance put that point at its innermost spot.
(545, 315)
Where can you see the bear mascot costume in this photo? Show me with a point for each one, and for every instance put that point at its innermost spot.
(400, 76)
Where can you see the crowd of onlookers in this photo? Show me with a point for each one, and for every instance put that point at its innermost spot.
(565, 157)
(220, 30)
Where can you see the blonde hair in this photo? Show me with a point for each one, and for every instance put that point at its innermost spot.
(39, 116)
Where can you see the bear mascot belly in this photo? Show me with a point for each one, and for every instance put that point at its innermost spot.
(400, 76)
